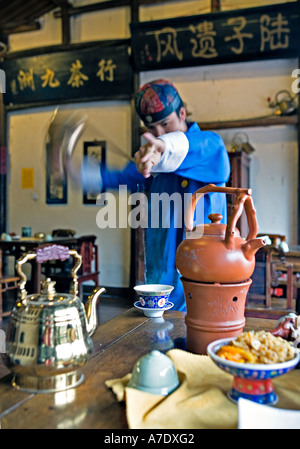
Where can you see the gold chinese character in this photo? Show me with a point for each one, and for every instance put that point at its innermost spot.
(106, 70)
(13, 86)
(49, 80)
(239, 24)
(26, 79)
(77, 78)
(274, 31)
(205, 34)
(166, 40)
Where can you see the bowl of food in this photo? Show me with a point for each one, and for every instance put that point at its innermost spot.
(254, 358)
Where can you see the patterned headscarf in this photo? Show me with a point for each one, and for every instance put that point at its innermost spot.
(156, 100)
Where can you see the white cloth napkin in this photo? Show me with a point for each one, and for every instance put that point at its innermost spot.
(257, 416)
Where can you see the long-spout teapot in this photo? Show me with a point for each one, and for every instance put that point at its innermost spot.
(216, 252)
(49, 334)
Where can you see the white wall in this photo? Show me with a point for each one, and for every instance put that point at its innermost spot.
(218, 92)
(108, 121)
(240, 91)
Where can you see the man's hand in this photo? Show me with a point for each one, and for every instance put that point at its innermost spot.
(149, 154)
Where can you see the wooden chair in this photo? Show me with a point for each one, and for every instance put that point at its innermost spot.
(60, 272)
(89, 269)
(271, 273)
(6, 283)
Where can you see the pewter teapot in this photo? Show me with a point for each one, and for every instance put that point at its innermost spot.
(49, 335)
(215, 252)
(285, 103)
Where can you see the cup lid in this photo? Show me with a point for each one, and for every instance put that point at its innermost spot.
(154, 373)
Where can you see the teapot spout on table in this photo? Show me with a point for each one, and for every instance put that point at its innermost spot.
(91, 310)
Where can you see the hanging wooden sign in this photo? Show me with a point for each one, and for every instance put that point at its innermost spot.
(74, 75)
(267, 32)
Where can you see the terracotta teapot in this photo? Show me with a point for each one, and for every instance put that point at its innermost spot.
(215, 252)
(48, 339)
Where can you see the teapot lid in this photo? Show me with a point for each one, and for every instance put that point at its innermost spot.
(49, 296)
(217, 228)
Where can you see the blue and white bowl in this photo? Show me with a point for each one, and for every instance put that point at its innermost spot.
(153, 296)
(251, 381)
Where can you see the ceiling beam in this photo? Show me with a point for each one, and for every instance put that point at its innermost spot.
(100, 6)
(14, 29)
(28, 11)
(20, 16)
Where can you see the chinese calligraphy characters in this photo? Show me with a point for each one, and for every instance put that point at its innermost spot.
(26, 79)
(77, 78)
(79, 73)
(206, 40)
(210, 39)
(167, 43)
(275, 32)
(239, 24)
(49, 79)
(29, 80)
(106, 70)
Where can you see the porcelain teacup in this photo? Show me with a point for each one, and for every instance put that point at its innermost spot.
(153, 296)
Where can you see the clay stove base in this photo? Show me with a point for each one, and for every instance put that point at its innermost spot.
(214, 311)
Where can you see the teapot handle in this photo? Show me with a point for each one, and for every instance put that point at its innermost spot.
(243, 199)
(282, 92)
(43, 254)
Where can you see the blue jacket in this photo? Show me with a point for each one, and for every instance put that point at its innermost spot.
(206, 162)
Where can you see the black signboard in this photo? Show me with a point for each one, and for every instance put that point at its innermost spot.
(74, 75)
(268, 32)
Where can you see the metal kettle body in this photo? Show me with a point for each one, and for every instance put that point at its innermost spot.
(214, 252)
(49, 335)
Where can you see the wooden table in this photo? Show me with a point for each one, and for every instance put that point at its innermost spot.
(293, 255)
(270, 264)
(118, 344)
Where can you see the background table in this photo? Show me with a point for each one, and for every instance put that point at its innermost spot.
(17, 247)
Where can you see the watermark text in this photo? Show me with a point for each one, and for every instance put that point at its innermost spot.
(156, 210)
(295, 84)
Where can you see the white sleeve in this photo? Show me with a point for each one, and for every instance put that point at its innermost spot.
(177, 146)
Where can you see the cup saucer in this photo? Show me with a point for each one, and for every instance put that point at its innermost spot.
(153, 313)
